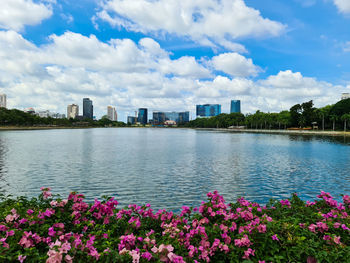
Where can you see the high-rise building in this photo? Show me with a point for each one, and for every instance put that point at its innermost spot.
(345, 96)
(88, 108)
(208, 110)
(2, 100)
(160, 117)
(143, 116)
(132, 120)
(72, 111)
(235, 106)
(112, 113)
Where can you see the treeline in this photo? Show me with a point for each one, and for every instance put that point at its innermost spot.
(331, 117)
(20, 118)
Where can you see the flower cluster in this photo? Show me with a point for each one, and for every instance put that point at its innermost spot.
(51, 230)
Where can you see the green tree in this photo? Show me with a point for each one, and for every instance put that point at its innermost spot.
(295, 114)
(345, 118)
(333, 118)
(341, 107)
(284, 118)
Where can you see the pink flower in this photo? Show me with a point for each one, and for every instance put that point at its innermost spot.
(21, 258)
(52, 232)
(285, 203)
(135, 256)
(312, 228)
(147, 256)
(336, 240)
(274, 237)
(68, 259)
(248, 252)
(25, 240)
(262, 228)
(30, 211)
(54, 256)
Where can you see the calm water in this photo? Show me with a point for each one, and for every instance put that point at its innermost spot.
(172, 167)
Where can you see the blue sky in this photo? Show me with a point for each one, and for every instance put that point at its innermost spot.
(171, 55)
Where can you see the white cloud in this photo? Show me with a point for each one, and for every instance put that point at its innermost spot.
(343, 6)
(289, 88)
(15, 14)
(235, 65)
(208, 22)
(346, 46)
(130, 75)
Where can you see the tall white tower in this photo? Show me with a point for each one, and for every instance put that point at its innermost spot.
(3, 100)
(112, 113)
(72, 111)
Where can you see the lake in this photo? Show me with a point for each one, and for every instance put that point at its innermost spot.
(170, 168)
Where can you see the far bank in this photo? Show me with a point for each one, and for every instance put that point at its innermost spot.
(286, 132)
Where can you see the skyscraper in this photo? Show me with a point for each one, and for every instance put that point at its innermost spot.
(72, 111)
(143, 116)
(208, 110)
(235, 106)
(160, 117)
(112, 113)
(88, 108)
(3, 100)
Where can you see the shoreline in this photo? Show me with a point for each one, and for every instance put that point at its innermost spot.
(285, 132)
(30, 128)
(261, 131)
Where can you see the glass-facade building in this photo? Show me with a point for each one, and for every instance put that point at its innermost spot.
(88, 108)
(208, 110)
(143, 116)
(235, 106)
(132, 120)
(159, 117)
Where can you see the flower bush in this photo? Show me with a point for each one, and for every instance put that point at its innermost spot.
(50, 229)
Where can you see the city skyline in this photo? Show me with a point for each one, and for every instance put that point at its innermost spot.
(52, 54)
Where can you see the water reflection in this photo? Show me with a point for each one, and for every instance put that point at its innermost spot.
(171, 167)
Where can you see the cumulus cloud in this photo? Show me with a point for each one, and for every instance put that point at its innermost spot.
(288, 88)
(15, 14)
(208, 22)
(343, 6)
(235, 65)
(131, 74)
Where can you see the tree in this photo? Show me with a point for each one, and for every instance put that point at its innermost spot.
(345, 118)
(284, 118)
(323, 113)
(333, 118)
(341, 107)
(295, 114)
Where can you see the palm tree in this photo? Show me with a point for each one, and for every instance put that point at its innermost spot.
(345, 118)
(333, 118)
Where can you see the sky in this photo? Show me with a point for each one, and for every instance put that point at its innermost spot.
(169, 55)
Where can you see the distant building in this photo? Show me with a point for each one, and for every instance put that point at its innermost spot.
(43, 114)
(132, 120)
(112, 113)
(208, 110)
(170, 123)
(235, 106)
(30, 110)
(47, 113)
(2, 100)
(72, 111)
(143, 116)
(88, 108)
(160, 117)
(345, 96)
